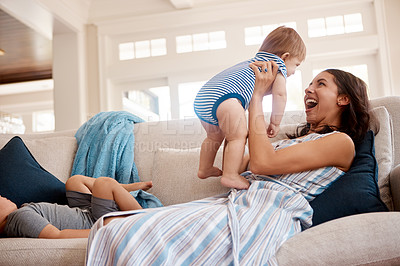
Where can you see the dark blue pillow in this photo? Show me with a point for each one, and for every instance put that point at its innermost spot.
(23, 180)
(356, 191)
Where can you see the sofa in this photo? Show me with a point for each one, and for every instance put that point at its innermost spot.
(167, 153)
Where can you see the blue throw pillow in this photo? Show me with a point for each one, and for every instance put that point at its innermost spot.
(23, 180)
(356, 191)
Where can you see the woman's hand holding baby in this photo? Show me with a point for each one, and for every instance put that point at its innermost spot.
(265, 77)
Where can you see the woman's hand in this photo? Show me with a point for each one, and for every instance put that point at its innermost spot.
(265, 77)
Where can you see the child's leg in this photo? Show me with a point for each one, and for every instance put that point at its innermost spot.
(85, 184)
(80, 183)
(232, 121)
(108, 188)
(209, 149)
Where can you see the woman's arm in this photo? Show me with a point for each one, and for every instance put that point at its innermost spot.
(333, 150)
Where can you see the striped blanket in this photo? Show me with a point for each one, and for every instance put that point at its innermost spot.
(243, 227)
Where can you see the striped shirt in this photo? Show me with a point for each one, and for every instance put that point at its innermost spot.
(234, 82)
(243, 227)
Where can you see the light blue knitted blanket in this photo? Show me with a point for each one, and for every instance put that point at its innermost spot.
(106, 148)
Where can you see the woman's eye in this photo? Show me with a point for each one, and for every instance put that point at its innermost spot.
(321, 84)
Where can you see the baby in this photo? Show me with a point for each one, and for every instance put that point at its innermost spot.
(221, 103)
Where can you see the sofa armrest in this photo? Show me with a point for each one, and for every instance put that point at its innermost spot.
(394, 178)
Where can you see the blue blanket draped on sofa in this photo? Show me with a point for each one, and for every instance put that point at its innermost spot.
(106, 148)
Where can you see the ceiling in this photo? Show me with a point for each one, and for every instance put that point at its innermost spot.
(27, 54)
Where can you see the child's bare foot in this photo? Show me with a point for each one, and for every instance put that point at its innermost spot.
(235, 181)
(213, 171)
(138, 185)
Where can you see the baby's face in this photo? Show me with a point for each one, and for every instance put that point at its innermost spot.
(291, 65)
(6, 207)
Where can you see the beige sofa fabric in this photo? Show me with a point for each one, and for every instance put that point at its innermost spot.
(353, 240)
(384, 154)
(55, 152)
(181, 179)
(43, 252)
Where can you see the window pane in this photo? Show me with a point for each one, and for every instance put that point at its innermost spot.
(295, 95)
(334, 25)
(292, 25)
(200, 42)
(126, 51)
(158, 47)
(184, 44)
(43, 121)
(164, 102)
(253, 35)
(353, 23)
(217, 40)
(10, 123)
(266, 29)
(295, 92)
(142, 49)
(316, 27)
(187, 93)
(360, 71)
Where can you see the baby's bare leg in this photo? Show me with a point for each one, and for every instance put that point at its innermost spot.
(108, 188)
(209, 149)
(80, 183)
(232, 121)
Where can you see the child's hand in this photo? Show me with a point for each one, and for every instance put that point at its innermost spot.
(272, 130)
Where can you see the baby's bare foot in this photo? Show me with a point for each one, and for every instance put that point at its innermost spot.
(235, 181)
(213, 171)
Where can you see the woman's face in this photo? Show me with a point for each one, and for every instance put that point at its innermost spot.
(321, 101)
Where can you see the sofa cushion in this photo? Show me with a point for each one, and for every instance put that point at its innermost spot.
(23, 180)
(175, 178)
(355, 192)
(53, 151)
(364, 239)
(384, 153)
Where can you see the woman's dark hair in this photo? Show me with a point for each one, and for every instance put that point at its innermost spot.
(356, 116)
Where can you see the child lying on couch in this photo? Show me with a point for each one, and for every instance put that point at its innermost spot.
(88, 199)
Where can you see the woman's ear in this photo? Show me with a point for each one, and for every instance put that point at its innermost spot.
(343, 100)
(285, 56)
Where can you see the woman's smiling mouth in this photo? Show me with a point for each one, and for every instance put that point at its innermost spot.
(311, 103)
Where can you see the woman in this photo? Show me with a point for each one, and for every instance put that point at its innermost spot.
(248, 226)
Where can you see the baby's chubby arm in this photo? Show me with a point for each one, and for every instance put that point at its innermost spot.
(278, 104)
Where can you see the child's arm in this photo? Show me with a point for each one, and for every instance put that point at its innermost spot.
(50, 231)
(278, 105)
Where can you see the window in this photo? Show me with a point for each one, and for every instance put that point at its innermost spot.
(200, 42)
(335, 25)
(10, 123)
(142, 49)
(43, 121)
(360, 71)
(256, 35)
(295, 94)
(187, 93)
(151, 104)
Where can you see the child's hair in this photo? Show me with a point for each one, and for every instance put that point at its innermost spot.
(284, 40)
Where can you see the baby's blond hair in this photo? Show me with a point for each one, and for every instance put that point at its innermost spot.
(284, 40)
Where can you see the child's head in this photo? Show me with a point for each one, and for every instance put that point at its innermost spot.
(6, 207)
(287, 44)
